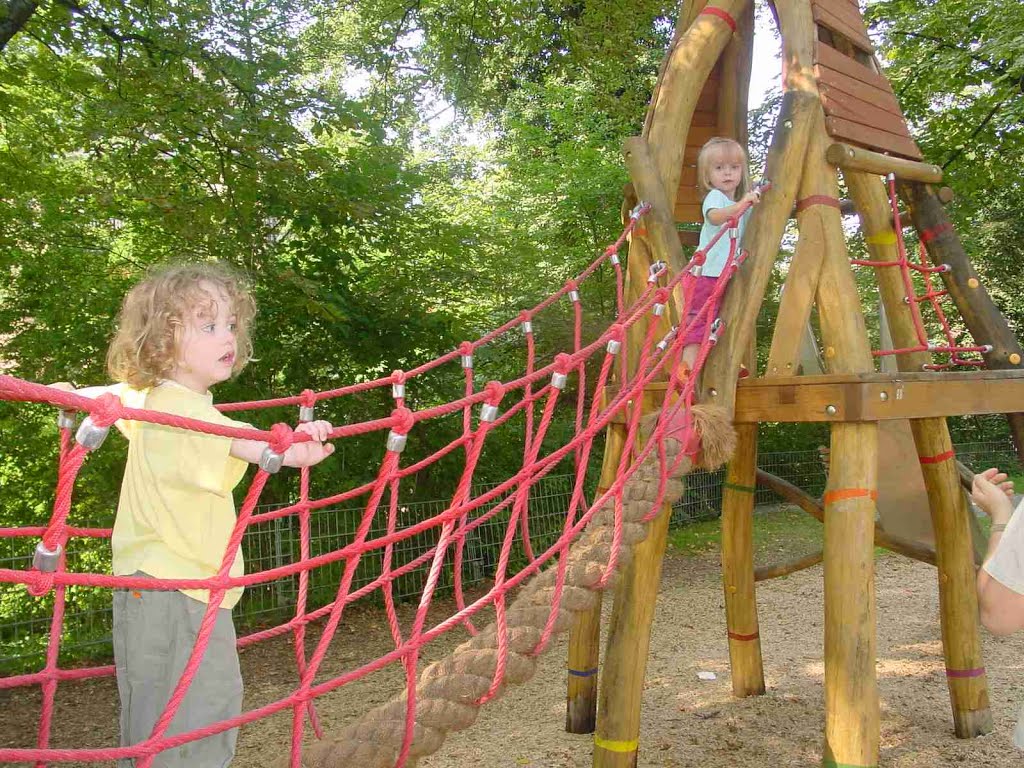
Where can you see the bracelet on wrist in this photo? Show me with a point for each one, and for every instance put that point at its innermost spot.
(997, 528)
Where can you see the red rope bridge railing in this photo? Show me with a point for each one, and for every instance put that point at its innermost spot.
(537, 391)
(931, 295)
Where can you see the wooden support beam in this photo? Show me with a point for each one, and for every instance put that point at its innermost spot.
(616, 738)
(961, 638)
(660, 226)
(767, 572)
(814, 508)
(585, 633)
(877, 396)
(851, 158)
(688, 65)
(851, 688)
(738, 567)
(797, 298)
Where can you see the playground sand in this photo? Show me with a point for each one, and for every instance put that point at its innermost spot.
(686, 721)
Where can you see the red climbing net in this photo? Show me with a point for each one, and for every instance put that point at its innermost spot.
(931, 295)
(538, 389)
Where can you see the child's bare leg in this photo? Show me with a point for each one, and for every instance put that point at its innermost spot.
(690, 355)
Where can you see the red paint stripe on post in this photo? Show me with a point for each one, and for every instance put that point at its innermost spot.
(938, 458)
(743, 638)
(812, 200)
(723, 15)
(930, 234)
(962, 673)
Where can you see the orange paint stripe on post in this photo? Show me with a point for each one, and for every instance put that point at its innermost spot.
(841, 494)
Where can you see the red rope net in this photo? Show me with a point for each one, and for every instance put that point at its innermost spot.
(931, 296)
(537, 394)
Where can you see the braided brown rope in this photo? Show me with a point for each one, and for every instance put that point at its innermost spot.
(448, 690)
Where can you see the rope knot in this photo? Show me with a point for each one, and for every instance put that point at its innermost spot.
(403, 420)
(308, 398)
(106, 410)
(495, 391)
(281, 438)
(616, 332)
(564, 363)
(661, 296)
(38, 583)
(398, 376)
(466, 348)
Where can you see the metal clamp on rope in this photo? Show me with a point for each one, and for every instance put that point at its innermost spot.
(658, 309)
(614, 259)
(734, 232)
(306, 413)
(655, 271)
(663, 344)
(716, 328)
(89, 436)
(65, 419)
(574, 296)
(46, 560)
(638, 210)
(488, 412)
(271, 462)
(945, 267)
(398, 388)
(986, 349)
(467, 361)
(614, 347)
(396, 442)
(558, 380)
(527, 326)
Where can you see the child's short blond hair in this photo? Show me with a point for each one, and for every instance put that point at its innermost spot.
(144, 350)
(713, 149)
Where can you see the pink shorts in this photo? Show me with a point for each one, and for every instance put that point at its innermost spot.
(702, 291)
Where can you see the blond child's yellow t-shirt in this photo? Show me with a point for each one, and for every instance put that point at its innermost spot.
(176, 511)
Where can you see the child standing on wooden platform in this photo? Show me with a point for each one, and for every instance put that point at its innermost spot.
(723, 177)
(181, 331)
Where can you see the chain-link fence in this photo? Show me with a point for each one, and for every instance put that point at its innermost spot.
(24, 624)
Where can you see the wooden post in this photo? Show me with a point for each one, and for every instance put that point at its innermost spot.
(622, 676)
(616, 739)
(983, 319)
(797, 300)
(954, 553)
(584, 657)
(851, 688)
(738, 566)
(585, 633)
(687, 69)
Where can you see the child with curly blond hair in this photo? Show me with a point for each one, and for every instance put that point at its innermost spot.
(182, 330)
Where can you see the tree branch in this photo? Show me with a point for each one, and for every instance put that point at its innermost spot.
(13, 16)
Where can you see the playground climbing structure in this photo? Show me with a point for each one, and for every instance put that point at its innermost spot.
(838, 113)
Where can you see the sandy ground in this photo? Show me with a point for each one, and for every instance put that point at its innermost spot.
(686, 721)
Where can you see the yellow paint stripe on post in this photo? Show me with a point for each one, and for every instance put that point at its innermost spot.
(883, 238)
(616, 746)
